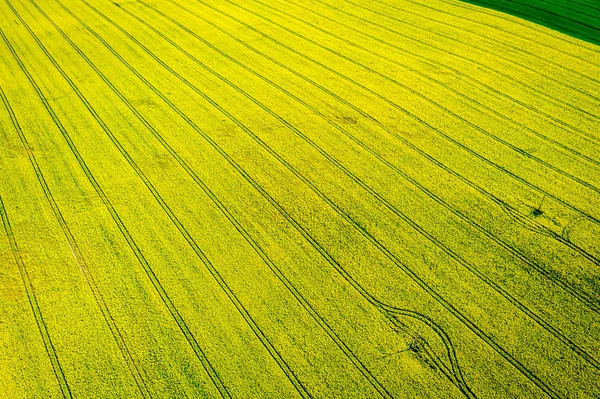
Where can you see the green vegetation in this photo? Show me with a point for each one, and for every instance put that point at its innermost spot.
(296, 198)
(580, 18)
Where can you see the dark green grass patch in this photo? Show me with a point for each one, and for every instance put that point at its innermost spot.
(580, 19)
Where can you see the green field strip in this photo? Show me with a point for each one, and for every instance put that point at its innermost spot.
(581, 50)
(567, 43)
(583, 24)
(575, 7)
(588, 4)
(487, 44)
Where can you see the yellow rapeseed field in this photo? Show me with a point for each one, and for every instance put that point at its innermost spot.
(296, 198)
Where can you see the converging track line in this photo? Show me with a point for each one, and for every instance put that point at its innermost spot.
(106, 314)
(146, 266)
(33, 302)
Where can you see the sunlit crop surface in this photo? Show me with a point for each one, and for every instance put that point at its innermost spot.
(297, 199)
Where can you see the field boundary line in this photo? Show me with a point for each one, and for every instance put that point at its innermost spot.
(506, 43)
(555, 21)
(520, 21)
(515, 33)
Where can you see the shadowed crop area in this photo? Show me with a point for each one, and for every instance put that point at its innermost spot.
(296, 199)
